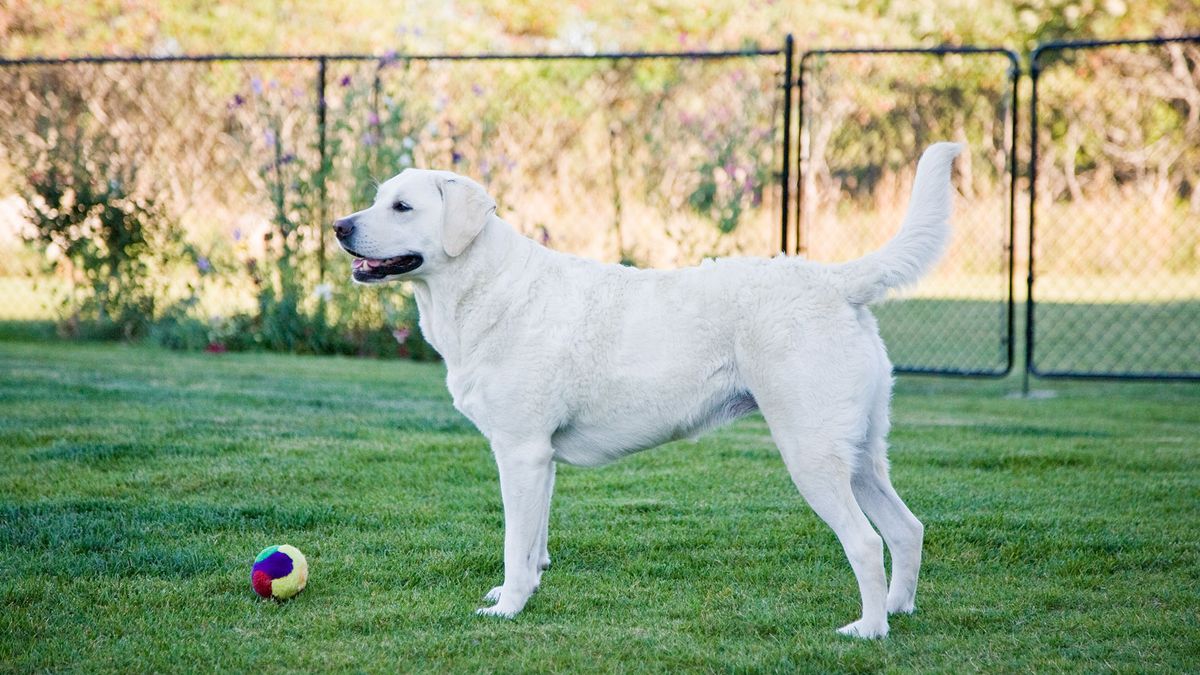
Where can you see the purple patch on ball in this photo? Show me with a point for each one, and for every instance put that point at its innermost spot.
(276, 565)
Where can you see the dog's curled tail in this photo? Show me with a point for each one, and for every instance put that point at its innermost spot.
(922, 237)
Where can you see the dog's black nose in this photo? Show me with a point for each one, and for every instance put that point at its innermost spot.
(343, 228)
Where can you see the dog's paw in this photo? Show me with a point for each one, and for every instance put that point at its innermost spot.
(861, 629)
(498, 611)
(508, 602)
(897, 606)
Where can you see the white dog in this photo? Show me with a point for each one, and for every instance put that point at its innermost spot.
(560, 359)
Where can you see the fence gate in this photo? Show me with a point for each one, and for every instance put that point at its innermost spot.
(865, 117)
(1114, 221)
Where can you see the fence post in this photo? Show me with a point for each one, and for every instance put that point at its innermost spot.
(789, 48)
(1014, 75)
(800, 152)
(1034, 71)
(322, 172)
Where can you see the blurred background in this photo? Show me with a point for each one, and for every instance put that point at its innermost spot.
(187, 201)
(78, 27)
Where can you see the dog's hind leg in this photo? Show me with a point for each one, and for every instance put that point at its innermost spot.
(818, 420)
(823, 478)
(901, 530)
(820, 452)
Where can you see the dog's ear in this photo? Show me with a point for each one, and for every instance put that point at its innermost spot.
(467, 207)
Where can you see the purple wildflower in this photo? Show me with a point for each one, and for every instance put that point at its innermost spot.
(345, 81)
(477, 90)
(238, 101)
(368, 139)
(203, 265)
(455, 157)
(237, 234)
(269, 137)
(373, 119)
(256, 85)
(389, 57)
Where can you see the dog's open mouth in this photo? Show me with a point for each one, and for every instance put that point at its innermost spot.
(368, 269)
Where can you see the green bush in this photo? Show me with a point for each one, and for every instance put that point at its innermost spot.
(107, 237)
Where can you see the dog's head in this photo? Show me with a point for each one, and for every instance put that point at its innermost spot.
(419, 221)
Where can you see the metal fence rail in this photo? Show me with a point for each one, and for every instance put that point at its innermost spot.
(866, 114)
(1114, 215)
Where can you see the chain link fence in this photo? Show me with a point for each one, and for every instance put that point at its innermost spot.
(1114, 275)
(212, 174)
(866, 115)
(237, 164)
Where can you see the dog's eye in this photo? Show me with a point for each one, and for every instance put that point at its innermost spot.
(401, 207)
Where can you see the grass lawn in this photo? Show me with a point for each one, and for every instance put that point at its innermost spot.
(136, 486)
(1113, 337)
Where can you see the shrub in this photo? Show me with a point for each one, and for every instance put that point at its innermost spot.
(99, 230)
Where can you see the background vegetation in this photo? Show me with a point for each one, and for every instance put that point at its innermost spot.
(63, 27)
(219, 172)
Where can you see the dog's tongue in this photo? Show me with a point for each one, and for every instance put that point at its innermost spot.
(377, 263)
(360, 263)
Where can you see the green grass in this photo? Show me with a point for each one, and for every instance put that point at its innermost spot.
(1104, 338)
(136, 486)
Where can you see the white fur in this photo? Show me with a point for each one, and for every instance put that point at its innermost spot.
(561, 359)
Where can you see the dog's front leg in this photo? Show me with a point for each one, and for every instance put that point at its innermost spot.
(544, 534)
(525, 471)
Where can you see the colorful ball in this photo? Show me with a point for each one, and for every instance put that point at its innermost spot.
(279, 572)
